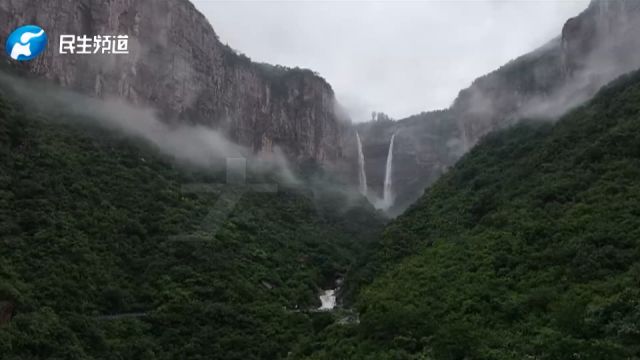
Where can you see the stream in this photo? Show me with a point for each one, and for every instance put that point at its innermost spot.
(328, 296)
(328, 300)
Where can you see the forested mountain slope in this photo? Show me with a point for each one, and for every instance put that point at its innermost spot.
(529, 248)
(90, 267)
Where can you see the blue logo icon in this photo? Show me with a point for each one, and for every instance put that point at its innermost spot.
(26, 42)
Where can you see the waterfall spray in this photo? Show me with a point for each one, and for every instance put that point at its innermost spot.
(362, 175)
(387, 198)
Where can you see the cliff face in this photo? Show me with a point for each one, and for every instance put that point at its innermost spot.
(594, 48)
(177, 65)
(422, 152)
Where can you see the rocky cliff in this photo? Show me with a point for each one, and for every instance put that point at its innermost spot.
(177, 64)
(594, 48)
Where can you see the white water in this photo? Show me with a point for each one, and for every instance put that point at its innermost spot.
(362, 175)
(328, 299)
(387, 198)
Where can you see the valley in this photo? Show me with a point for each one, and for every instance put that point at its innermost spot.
(526, 248)
(192, 203)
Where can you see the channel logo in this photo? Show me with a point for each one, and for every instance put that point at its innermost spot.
(26, 42)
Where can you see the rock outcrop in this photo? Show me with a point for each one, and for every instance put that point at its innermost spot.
(177, 65)
(594, 48)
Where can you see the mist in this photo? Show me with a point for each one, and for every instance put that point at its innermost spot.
(605, 63)
(195, 145)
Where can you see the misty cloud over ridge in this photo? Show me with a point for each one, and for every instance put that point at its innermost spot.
(197, 145)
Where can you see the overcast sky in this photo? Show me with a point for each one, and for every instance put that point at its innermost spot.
(398, 57)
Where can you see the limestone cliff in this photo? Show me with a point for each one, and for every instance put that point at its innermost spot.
(177, 64)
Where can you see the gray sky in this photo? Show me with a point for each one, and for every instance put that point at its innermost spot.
(398, 57)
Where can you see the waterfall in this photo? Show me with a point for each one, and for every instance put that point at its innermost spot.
(362, 175)
(328, 299)
(387, 198)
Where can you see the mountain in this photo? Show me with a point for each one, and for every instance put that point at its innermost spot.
(594, 48)
(526, 249)
(177, 65)
(105, 255)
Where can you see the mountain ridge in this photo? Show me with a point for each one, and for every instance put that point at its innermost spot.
(593, 48)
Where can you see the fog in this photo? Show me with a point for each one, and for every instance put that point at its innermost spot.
(190, 144)
(609, 59)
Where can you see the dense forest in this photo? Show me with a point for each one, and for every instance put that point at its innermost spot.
(529, 248)
(102, 255)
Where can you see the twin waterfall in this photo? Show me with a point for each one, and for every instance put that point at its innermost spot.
(387, 198)
(362, 175)
(387, 192)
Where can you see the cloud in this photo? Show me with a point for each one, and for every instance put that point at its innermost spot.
(614, 53)
(193, 144)
(400, 58)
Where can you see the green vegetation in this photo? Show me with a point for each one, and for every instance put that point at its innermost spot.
(528, 249)
(278, 77)
(281, 78)
(89, 259)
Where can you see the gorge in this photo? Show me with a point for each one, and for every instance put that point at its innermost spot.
(266, 108)
(502, 227)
